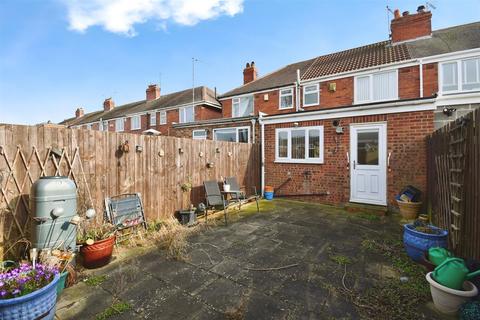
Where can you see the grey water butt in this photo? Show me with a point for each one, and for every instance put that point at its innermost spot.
(53, 204)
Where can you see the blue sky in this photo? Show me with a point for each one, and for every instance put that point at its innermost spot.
(58, 55)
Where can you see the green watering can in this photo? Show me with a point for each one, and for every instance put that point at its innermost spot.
(437, 255)
(452, 273)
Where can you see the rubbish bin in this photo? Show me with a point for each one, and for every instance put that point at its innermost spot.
(53, 204)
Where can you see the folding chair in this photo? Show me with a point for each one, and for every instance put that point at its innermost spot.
(240, 195)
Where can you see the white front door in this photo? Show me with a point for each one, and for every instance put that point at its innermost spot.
(368, 163)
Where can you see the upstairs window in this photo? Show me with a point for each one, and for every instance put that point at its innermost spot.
(460, 75)
(242, 107)
(135, 123)
(286, 98)
(311, 95)
(187, 114)
(163, 117)
(299, 145)
(119, 125)
(375, 87)
(153, 119)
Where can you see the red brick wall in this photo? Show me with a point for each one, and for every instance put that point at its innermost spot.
(411, 26)
(409, 82)
(343, 96)
(430, 79)
(406, 134)
(204, 113)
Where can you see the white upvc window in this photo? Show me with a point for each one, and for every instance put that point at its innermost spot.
(119, 125)
(311, 95)
(299, 145)
(242, 106)
(187, 114)
(460, 75)
(379, 86)
(286, 98)
(100, 126)
(89, 126)
(135, 122)
(153, 119)
(103, 126)
(199, 134)
(163, 117)
(234, 134)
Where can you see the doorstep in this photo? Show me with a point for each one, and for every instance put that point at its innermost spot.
(366, 208)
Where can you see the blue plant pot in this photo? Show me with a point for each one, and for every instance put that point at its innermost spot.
(416, 243)
(268, 195)
(39, 304)
(61, 282)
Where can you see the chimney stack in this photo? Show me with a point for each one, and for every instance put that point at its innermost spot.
(79, 113)
(250, 73)
(108, 104)
(153, 92)
(411, 26)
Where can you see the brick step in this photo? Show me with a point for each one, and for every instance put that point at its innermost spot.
(366, 208)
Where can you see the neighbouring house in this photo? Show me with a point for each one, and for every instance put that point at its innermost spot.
(154, 115)
(350, 126)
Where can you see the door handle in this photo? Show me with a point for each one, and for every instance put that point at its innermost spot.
(354, 164)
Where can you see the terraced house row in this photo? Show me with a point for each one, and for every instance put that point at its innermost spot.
(349, 126)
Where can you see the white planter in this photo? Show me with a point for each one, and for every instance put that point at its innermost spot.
(226, 187)
(449, 300)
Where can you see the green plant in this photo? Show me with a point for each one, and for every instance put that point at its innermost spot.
(96, 233)
(114, 309)
(94, 281)
(341, 260)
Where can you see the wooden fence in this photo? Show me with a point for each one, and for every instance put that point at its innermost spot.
(155, 166)
(454, 183)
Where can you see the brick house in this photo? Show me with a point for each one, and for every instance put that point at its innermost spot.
(350, 126)
(154, 115)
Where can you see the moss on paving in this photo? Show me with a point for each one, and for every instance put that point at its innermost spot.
(114, 309)
(95, 280)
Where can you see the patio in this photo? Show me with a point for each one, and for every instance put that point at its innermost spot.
(293, 260)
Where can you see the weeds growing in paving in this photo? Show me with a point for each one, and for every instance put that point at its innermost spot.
(113, 310)
(94, 281)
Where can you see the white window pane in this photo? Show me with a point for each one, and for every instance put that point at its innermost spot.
(153, 119)
(135, 122)
(119, 125)
(450, 76)
(362, 89)
(314, 143)
(199, 134)
(471, 77)
(286, 98)
(243, 135)
(283, 144)
(163, 117)
(226, 135)
(385, 86)
(298, 144)
(311, 88)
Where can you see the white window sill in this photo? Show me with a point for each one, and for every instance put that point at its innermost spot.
(286, 108)
(310, 161)
(456, 92)
(135, 129)
(311, 105)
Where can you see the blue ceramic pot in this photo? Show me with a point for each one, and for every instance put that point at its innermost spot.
(416, 243)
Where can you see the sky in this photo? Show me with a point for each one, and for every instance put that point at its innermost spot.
(57, 55)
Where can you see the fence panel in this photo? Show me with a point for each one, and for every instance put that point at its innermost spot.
(155, 166)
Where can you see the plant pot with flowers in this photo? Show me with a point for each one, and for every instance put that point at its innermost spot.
(28, 292)
(97, 245)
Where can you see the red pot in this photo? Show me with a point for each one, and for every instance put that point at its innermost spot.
(97, 254)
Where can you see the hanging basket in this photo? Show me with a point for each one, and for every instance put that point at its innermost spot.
(409, 210)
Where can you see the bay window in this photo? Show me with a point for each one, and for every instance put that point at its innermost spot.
(461, 75)
(187, 114)
(299, 145)
(311, 95)
(380, 86)
(242, 107)
(286, 98)
(237, 134)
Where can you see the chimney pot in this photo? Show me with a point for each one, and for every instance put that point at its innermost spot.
(405, 13)
(153, 92)
(396, 14)
(250, 73)
(79, 113)
(108, 104)
(421, 8)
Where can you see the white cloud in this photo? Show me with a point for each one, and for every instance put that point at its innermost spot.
(120, 16)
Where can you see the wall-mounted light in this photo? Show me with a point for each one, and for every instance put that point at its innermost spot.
(265, 97)
(448, 111)
(295, 124)
(332, 87)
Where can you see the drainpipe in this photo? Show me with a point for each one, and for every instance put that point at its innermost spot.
(262, 157)
(297, 92)
(253, 130)
(421, 78)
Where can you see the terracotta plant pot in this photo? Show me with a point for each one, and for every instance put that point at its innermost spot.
(98, 254)
(409, 210)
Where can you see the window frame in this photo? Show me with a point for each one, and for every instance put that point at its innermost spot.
(139, 117)
(289, 159)
(200, 130)
(89, 126)
(460, 76)
(153, 115)
(182, 111)
(122, 120)
(163, 116)
(280, 96)
(236, 133)
(370, 86)
(252, 96)
(317, 91)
